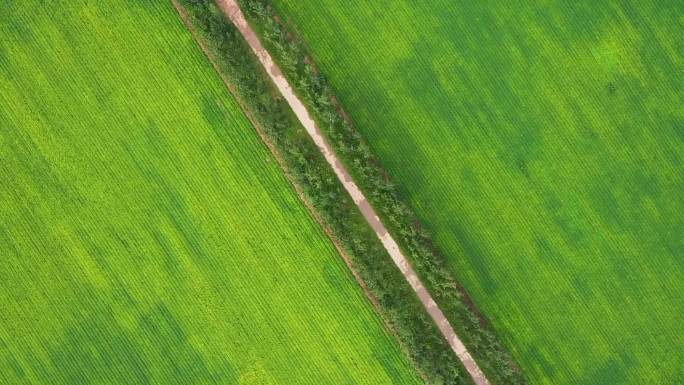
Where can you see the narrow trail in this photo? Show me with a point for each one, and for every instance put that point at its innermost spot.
(232, 10)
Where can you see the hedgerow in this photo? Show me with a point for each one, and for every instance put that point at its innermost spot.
(307, 169)
(289, 50)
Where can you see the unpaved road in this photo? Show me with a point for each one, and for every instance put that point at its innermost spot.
(232, 10)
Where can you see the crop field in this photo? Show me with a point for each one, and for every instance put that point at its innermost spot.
(542, 145)
(146, 233)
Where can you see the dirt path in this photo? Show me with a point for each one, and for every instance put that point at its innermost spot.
(232, 10)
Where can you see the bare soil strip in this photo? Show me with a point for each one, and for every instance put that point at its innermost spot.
(232, 10)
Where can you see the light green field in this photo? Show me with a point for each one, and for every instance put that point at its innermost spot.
(542, 143)
(146, 234)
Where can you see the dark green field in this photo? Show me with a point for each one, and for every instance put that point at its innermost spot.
(542, 145)
(147, 235)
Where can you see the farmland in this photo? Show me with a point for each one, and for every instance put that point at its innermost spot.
(146, 233)
(542, 148)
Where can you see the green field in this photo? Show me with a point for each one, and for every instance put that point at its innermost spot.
(146, 233)
(542, 145)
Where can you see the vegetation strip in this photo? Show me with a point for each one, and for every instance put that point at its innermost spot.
(308, 170)
(289, 50)
(231, 8)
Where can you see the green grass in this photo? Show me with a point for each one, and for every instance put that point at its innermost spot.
(543, 147)
(146, 234)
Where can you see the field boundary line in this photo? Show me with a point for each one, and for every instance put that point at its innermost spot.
(372, 298)
(234, 13)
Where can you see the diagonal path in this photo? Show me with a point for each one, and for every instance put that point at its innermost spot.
(232, 10)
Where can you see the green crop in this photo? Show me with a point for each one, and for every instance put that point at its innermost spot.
(146, 233)
(542, 146)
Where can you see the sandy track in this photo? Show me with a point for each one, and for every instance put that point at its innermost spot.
(232, 10)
